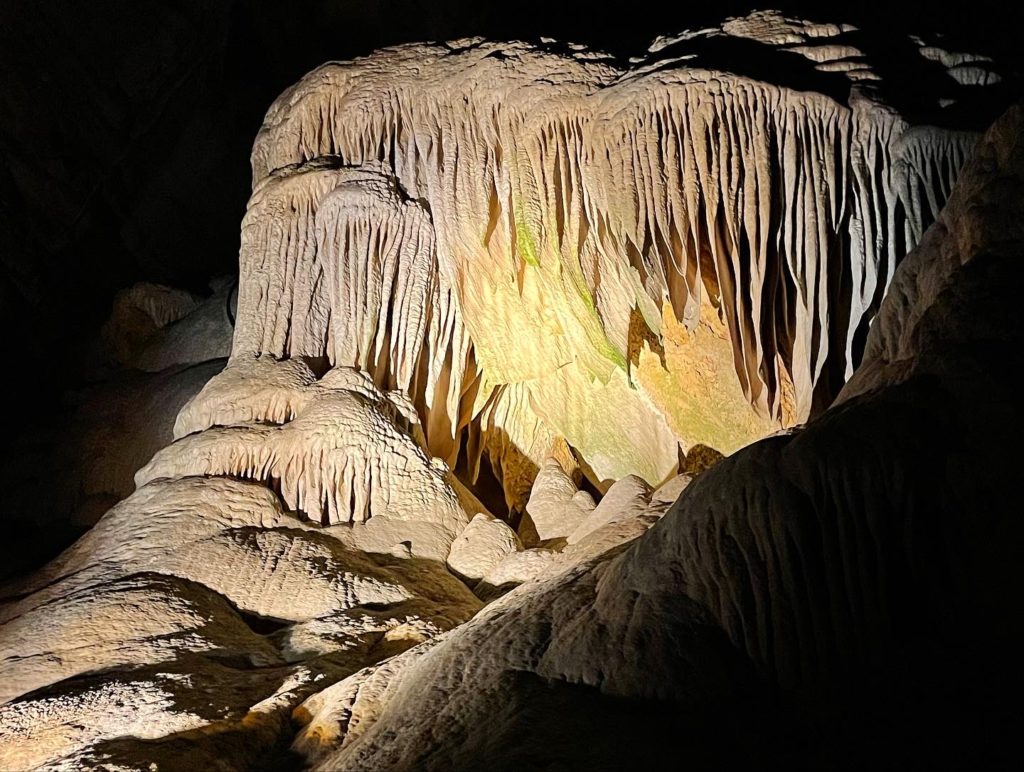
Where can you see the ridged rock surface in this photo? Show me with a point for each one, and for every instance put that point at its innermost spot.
(590, 277)
(538, 244)
(837, 597)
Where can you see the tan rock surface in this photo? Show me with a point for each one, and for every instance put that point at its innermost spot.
(611, 263)
(802, 563)
(481, 546)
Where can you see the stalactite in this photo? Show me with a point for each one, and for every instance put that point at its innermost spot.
(507, 214)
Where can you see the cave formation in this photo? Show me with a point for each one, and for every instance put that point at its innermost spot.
(567, 411)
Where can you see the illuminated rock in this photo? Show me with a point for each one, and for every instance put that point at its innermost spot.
(556, 506)
(343, 452)
(630, 259)
(484, 543)
(161, 602)
(531, 257)
(627, 498)
(839, 566)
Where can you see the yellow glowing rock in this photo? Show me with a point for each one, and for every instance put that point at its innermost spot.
(543, 245)
(693, 385)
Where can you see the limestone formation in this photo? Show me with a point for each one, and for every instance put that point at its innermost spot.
(481, 546)
(528, 275)
(117, 426)
(556, 506)
(343, 452)
(198, 577)
(155, 352)
(693, 254)
(138, 312)
(138, 620)
(153, 327)
(627, 498)
(201, 335)
(839, 567)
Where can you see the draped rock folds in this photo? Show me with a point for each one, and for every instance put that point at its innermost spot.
(528, 255)
(338, 449)
(798, 597)
(689, 253)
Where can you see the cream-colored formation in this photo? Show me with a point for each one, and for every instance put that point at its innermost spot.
(344, 456)
(586, 276)
(798, 561)
(637, 258)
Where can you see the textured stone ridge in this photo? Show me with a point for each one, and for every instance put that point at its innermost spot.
(539, 244)
(342, 452)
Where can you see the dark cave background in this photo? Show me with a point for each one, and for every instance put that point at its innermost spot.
(125, 129)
